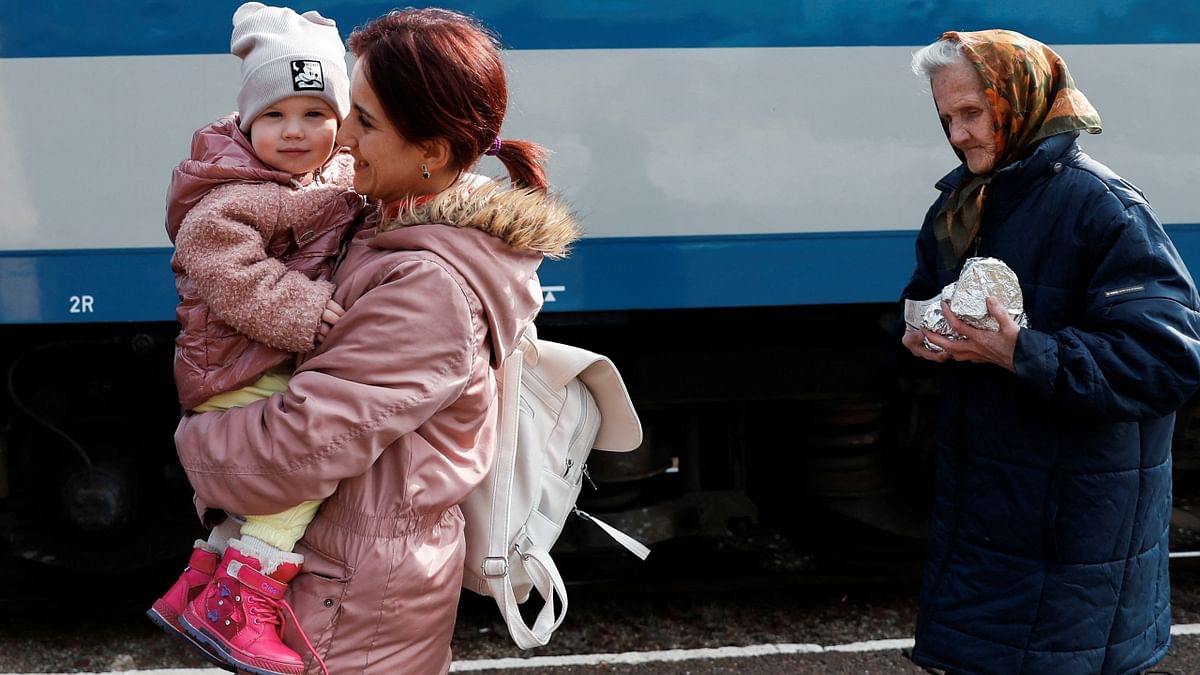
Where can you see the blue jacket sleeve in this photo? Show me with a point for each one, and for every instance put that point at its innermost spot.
(1136, 355)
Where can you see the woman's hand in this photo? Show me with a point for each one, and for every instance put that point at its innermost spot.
(980, 346)
(914, 340)
(329, 318)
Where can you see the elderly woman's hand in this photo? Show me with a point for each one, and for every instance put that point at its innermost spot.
(914, 340)
(980, 346)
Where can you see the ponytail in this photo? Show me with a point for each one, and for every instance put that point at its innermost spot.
(523, 161)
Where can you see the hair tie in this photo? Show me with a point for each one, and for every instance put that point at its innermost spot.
(495, 149)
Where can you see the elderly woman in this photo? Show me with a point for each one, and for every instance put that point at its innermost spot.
(392, 419)
(1048, 550)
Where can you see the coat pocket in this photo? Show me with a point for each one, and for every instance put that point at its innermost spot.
(316, 597)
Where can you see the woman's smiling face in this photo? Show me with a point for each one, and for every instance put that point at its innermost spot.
(386, 165)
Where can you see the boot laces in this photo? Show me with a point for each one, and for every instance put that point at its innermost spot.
(268, 610)
(264, 610)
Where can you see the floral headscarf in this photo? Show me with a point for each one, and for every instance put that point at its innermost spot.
(1032, 97)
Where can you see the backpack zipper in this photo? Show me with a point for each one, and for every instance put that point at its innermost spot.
(575, 435)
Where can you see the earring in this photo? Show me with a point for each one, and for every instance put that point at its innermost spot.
(424, 171)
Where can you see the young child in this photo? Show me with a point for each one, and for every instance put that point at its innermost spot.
(257, 215)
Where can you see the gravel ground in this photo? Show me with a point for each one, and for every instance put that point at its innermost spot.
(815, 664)
(598, 621)
(102, 627)
(606, 623)
(830, 613)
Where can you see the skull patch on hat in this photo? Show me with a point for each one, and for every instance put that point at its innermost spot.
(307, 76)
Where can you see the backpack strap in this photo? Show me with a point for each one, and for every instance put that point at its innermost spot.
(632, 545)
(546, 579)
(504, 467)
(538, 565)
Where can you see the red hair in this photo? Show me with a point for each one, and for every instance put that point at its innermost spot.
(438, 74)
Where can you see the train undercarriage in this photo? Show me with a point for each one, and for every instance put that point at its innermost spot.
(786, 420)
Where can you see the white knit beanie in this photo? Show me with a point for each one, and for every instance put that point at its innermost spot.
(287, 54)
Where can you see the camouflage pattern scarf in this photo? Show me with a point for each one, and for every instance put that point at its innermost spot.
(1032, 97)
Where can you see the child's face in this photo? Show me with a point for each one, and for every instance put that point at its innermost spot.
(295, 134)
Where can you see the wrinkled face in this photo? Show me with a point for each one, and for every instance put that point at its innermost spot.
(386, 165)
(964, 109)
(295, 134)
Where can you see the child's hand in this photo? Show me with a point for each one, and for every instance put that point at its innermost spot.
(329, 317)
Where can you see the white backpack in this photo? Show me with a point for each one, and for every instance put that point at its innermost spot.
(557, 403)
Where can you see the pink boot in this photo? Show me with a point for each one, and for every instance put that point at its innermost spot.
(239, 614)
(166, 610)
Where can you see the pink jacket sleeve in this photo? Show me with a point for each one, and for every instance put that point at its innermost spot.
(402, 352)
(221, 246)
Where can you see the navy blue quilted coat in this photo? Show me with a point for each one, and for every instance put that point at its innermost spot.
(1048, 550)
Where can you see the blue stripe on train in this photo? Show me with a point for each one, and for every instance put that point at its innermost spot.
(603, 274)
(89, 28)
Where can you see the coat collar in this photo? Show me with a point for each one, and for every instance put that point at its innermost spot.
(1014, 178)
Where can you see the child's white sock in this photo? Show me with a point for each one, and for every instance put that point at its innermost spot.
(219, 536)
(269, 556)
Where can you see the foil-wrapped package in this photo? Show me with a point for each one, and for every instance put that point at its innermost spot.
(967, 297)
(980, 278)
(935, 320)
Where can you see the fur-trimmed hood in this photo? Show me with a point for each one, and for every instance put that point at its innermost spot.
(522, 218)
(495, 238)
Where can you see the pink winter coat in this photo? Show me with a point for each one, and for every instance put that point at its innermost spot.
(253, 258)
(391, 420)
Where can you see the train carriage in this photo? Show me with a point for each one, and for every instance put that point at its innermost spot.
(750, 177)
